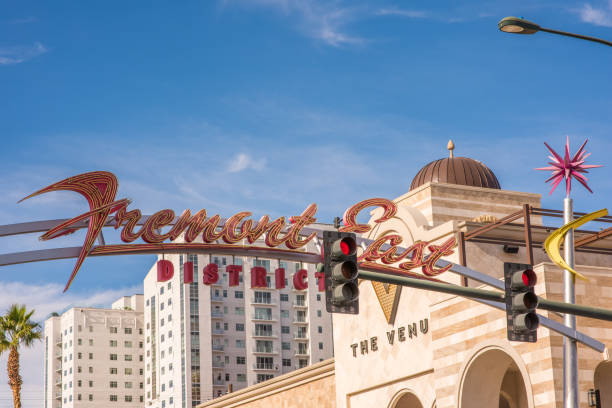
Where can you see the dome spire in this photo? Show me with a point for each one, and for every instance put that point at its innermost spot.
(450, 146)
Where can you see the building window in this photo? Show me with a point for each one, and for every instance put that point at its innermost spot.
(320, 329)
(90, 370)
(169, 317)
(286, 346)
(286, 362)
(113, 370)
(284, 297)
(285, 329)
(113, 384)
(91, 397)
(128, 357)
(318, 297)
(91, 342)
(80, 342)
(161, 306)
(128, 398)
(128, 371)
(91, 356)
(127, 343)
(318, 313)
(224, 293)
(113, 357)
(239, 311)
(240, 360)
(239, 343)
(128, 384)
(113, 343)
(79, 369)
(240, 327)
(161, 290)
(320, 346)
(169, 285)
(79, 355)
(90, 384)
(113, 330)
(239, 294)
(284, 313)
(127, 330)
(79, 383)
(113, 398)
(241, 377)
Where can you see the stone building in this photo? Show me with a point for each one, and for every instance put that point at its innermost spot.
(411, 348)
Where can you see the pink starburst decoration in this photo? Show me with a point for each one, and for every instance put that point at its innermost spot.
(566, 167)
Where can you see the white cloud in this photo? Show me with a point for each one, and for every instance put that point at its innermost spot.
(44, 299)
(393, 11)
(17, 55)
(243, 161)
(598, 16)
(322, 20)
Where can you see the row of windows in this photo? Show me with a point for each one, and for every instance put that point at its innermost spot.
(127, 330)
(126, 398)
(126, 357)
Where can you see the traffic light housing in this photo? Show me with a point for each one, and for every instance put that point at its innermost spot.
(340, 268)
(521, 303)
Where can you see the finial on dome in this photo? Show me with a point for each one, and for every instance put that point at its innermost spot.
(450, 146)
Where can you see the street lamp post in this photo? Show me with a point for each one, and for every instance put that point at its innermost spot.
(516, 25)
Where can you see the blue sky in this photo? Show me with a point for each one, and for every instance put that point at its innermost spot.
(269, 105)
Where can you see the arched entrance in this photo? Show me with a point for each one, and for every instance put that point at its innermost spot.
(603, 382)
(493, 379)
(405, 399)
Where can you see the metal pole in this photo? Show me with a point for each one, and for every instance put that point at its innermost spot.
(570, 353)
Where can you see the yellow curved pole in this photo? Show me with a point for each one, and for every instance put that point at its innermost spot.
(552, 244)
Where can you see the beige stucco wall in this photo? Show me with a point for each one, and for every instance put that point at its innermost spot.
(310, 387)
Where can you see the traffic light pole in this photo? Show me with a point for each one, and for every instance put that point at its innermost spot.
(483, 294)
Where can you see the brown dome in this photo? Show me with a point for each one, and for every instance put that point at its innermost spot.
(456, 170)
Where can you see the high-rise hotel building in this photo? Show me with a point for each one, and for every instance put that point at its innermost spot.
(201, 339)
(94, 358)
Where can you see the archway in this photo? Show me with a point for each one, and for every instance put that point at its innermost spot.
(493, 379)
(406, 400)
(603, 382)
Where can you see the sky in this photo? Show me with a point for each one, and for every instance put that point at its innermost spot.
(270, 105)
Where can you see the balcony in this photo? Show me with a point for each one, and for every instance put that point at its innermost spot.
(218, 383)
(218, 364)
(300, 336)
(58, 382)
(218, 332)
(58, 342)
(262, 333)
(302, 353)
(300, 320)
(58, 395)
(265, 350)
(216, 314)
(58, 369)
(300, 305)
(217, 348)
(216, 298)
(263, 318)
(265, 367)
(265, 302)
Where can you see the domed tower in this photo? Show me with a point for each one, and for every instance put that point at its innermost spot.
(456, 170)
(461, 189)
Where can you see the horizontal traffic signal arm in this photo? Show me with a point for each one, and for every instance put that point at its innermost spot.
(475, 293)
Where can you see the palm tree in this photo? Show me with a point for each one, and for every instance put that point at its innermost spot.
(17, 329)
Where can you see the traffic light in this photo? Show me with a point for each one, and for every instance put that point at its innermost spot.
(340, 268)
(521, 302)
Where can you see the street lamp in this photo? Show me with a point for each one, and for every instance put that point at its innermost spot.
(518, 25)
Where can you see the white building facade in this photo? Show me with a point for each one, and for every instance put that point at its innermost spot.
(203, 339)
(95, 357)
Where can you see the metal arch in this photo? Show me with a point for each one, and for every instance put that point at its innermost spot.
(73, 252)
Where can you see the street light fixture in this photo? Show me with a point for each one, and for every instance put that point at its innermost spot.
(516, 25)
